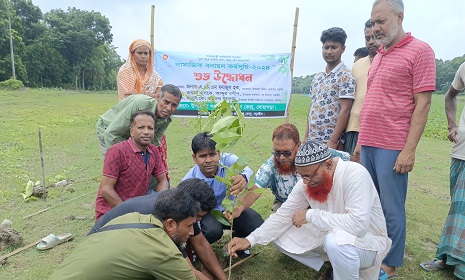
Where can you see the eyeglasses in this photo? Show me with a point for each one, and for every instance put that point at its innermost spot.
(310, 177)
(284, 153)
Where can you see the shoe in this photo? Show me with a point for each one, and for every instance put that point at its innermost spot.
(383, 275)
(52, 240)
(243, 254)
(432, 265)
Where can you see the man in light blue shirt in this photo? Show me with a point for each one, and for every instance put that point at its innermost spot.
(208, 163)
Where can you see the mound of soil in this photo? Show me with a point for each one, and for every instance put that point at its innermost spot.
(9, 236)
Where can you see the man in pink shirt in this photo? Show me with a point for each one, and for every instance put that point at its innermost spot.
(400, 84)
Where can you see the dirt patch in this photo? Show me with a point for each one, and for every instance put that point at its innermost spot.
(9, 236)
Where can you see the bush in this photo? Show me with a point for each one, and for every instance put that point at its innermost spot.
(11, 84)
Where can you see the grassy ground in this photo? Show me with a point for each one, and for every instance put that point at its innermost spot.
(67, 122)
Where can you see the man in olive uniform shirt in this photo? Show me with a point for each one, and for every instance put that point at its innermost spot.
(137, 253)
(113, 125)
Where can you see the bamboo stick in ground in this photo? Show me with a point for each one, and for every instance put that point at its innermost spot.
(19, 250)
(42, 165)
(240, 262)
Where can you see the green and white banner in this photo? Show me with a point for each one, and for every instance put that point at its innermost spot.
(261, 83)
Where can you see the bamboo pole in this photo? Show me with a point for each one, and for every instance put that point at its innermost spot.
(42, 165)
(152, 39)
(48, 208)
(294, 37)
(11, 42)
(239, 262)
(19, 250)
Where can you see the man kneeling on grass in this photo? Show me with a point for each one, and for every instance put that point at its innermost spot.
(136, 246)
(198, 190)
(333, 213)
(208, 164)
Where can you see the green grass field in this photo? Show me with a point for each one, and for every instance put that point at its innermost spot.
(70, 147)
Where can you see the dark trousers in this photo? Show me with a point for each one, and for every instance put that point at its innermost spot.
(243, 225)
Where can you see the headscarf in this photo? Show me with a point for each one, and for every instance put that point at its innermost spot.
(129, 80)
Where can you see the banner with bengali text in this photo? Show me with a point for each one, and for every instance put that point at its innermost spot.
(260, 82)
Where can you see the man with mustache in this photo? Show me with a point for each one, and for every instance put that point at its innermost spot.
(129, 165)
(198, 190)
(401, 81)
(136, 246)
(333, 213)
(209, 163)
(113, 125)
(360, 72)
(278, 173)
(331, 92)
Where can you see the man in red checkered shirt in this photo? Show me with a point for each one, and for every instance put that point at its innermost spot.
(128, 166)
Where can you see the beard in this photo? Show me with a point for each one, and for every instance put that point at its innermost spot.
(321, 191)
(391, 36)
(178, 241)
(284, 168)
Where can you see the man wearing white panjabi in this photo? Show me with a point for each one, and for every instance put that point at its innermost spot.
(333, 213)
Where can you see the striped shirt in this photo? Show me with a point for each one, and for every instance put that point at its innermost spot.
(394, 77)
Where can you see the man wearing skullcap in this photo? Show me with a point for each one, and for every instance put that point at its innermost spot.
(333, 213)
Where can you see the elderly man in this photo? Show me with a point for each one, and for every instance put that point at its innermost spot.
(128, 165)
(332, 213)
(201, 192)
(278, 173)
(136, 246)
(401, 81)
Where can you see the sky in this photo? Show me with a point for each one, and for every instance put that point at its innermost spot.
(266, 26)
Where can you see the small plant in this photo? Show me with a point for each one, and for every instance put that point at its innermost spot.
(226, 123)
(28, 192)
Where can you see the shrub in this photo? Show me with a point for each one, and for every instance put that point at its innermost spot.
(11, 84)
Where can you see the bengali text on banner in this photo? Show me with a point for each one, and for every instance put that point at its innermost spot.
(260, 82)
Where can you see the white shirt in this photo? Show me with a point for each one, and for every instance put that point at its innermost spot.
(353, 212)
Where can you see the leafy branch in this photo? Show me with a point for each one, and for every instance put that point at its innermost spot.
(226, 123)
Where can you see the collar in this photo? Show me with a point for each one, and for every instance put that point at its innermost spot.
(160, 120)
(404, 41)
(335, 69)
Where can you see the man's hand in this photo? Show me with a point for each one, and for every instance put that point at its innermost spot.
(237, 244)
(356, 154)
(239, 184)
(404, 162)
(299, 218)
(453, 135)
(236, 213)
(332, 144)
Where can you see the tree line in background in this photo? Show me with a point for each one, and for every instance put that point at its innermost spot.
(68, 49)
(72, 49)
(445, 72)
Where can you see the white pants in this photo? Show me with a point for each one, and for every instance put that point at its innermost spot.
(348, 261)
